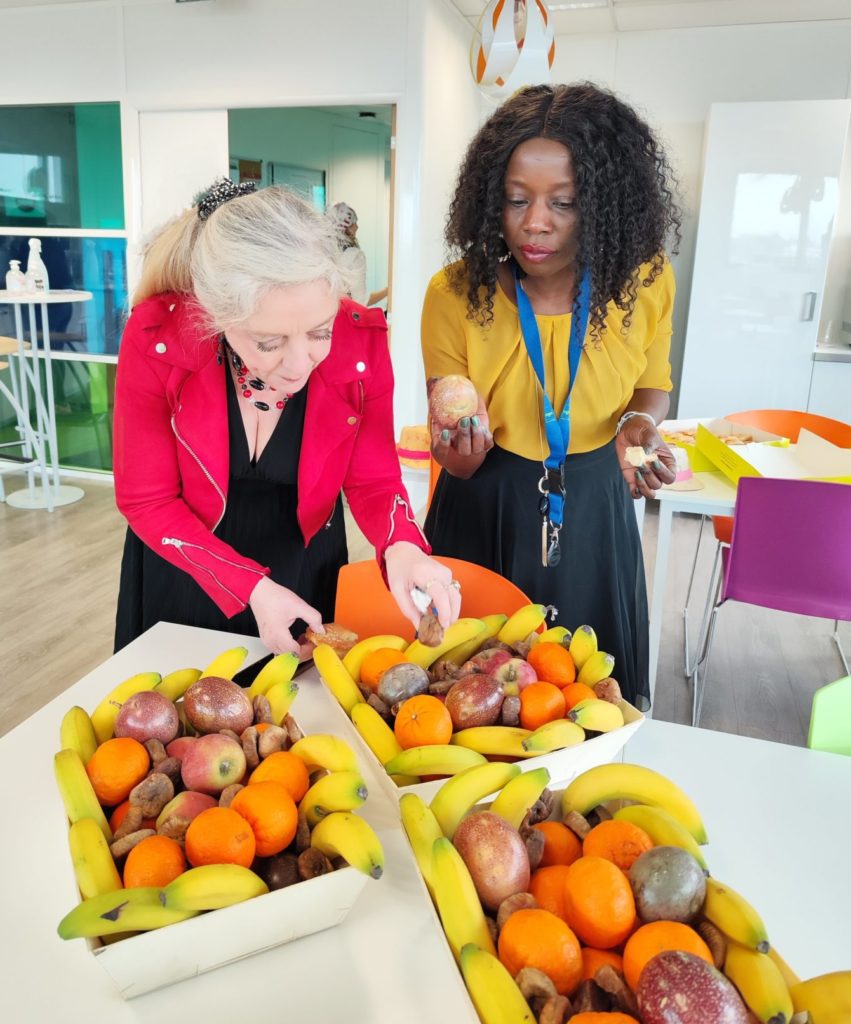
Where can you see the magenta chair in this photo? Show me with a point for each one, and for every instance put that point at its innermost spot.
(790, 550)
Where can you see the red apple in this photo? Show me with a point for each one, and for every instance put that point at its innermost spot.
(212, 763)
(186, 805)
(515, 675)
(452, 398)
(487, 661)
(148, 716)
(177, 748)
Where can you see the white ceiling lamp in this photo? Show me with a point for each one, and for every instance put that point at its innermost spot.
(513, 46)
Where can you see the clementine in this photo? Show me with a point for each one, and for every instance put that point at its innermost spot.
(553, 663)
(547, 885)
(594, 959)
(286, 768)
(155, 861)
(220, 836)
(422, 721)
(540, 703)
(116, 767)
(561, 845)
(272, 814)
(574, 693)
(599, 905)
(651, 939)
(537, 938)
(621, 842)
(376, 663)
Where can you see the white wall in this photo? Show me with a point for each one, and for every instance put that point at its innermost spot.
(673, 77)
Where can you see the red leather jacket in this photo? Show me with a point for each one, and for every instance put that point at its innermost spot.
(171, 442)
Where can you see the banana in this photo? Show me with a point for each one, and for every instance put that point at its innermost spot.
(523, 622)
(495, 994)
(458, 633)
(582, 645)
(94, 867)
(76, 791)
(321, 750)
(175, 684)
(760, 984)
(104, 715)
(339, 791)
(521, 793)
(353, 658)
(663, 828)
(127, 910)
(826, 998)
(77, 733)
(421, 828)
(789, 976)
(280, 669)
(186, 727)
(281, 696)
(598, 666)
(463, 652)
(457, 901)
(466, 789)
(350, 837)
(436, 759)
(596, 715)
(227, 664)
(380, 738)
(632, 782)
(554, 736)
(553, 635)
(500, 740)
(736, 918)
(211, 887)
(336, 677)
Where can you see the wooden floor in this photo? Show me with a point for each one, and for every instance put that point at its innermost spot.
(60, 582)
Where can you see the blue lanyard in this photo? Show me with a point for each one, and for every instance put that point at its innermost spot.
(557, 427)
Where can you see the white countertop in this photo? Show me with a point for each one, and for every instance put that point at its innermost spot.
(772, 811)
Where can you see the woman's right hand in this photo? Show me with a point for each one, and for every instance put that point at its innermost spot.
(276, 609)
(460, 448)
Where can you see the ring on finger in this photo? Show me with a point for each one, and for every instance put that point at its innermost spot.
(454, 585)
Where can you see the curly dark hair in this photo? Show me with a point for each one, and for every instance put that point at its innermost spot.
(625, 194)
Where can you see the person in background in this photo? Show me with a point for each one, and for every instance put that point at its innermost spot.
(353, 257)
(558, 309)
(250, 392)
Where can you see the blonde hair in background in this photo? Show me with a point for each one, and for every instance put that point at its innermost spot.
(245, 247)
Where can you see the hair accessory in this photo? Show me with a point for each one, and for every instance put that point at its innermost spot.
(220, 192)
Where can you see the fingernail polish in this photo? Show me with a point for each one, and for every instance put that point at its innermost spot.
(657, 464)
(465, 422)
(639, 473)
(444, 436)
(475, 421)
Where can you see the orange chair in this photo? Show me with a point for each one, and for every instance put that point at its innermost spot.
(433, 473)
(786, 423)
(366, 606)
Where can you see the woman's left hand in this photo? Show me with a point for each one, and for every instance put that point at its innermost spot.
(409, 568)
(644, 481)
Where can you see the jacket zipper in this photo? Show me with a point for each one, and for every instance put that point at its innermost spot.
(203, 469)
(181, 544)
(399, 500)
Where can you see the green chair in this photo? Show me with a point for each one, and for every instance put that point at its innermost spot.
(830, 721)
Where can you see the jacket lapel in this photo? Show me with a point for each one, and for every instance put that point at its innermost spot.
(201, 419)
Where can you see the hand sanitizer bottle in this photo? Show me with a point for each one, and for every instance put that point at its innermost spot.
(15, 280)
(36, 275)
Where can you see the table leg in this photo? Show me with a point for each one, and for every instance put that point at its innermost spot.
(657, 602)
(22, 391)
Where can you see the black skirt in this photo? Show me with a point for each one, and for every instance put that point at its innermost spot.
(259, 522)
(492, 519)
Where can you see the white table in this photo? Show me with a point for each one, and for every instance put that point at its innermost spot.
(26, 372)
(716, 498)
(387, 962)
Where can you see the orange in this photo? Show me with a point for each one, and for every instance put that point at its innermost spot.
(157, 861)
(537, 938)
(286, 768)
(376, 663)
(120, 813)
(553, 663)
(621, 842)
(590, 1017)
(561, 846)
(594, 959)
(272, 814)
(598, 902)
(116, 767)
(540, 703)
(220, 836)
(547, 885)
(574, 693)
(657, 937)
(422, 721)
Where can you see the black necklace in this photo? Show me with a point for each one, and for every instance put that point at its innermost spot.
(249, 385)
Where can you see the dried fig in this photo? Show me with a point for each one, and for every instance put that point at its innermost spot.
(171, 767)
(312, 863)
(121, 847)
(590, 998)
(510, 711)
(542, 808)
(228, 793)
(262, 710)
(492, 928)
(302, 835)
(716, 940)
(613, 982)
(430, 631)
(131, 823)
(249, 741)
(156, 750)
(535, 842)
(577, 823)
(534, 984)
(444, 669)
(272, 739)
(608, 689)
(378, 705)
(440, 687)
(174, 827)
(293, 731)
(152, 794)
(555, 1010)
(519, 901)
(229, 732)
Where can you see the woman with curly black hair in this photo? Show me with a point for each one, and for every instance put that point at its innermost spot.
(561, 215)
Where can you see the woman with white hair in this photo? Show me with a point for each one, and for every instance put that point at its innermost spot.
(250, 393)
(353, 257)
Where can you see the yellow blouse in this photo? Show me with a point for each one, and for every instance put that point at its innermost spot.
(496, 361)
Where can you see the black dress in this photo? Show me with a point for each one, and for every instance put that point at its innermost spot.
(492, 519)
(259, 522)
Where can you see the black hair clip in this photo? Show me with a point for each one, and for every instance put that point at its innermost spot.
(220, 192)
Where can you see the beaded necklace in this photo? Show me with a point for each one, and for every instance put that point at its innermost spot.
(249, 386)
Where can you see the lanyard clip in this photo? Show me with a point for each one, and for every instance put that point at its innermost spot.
(555, 480)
